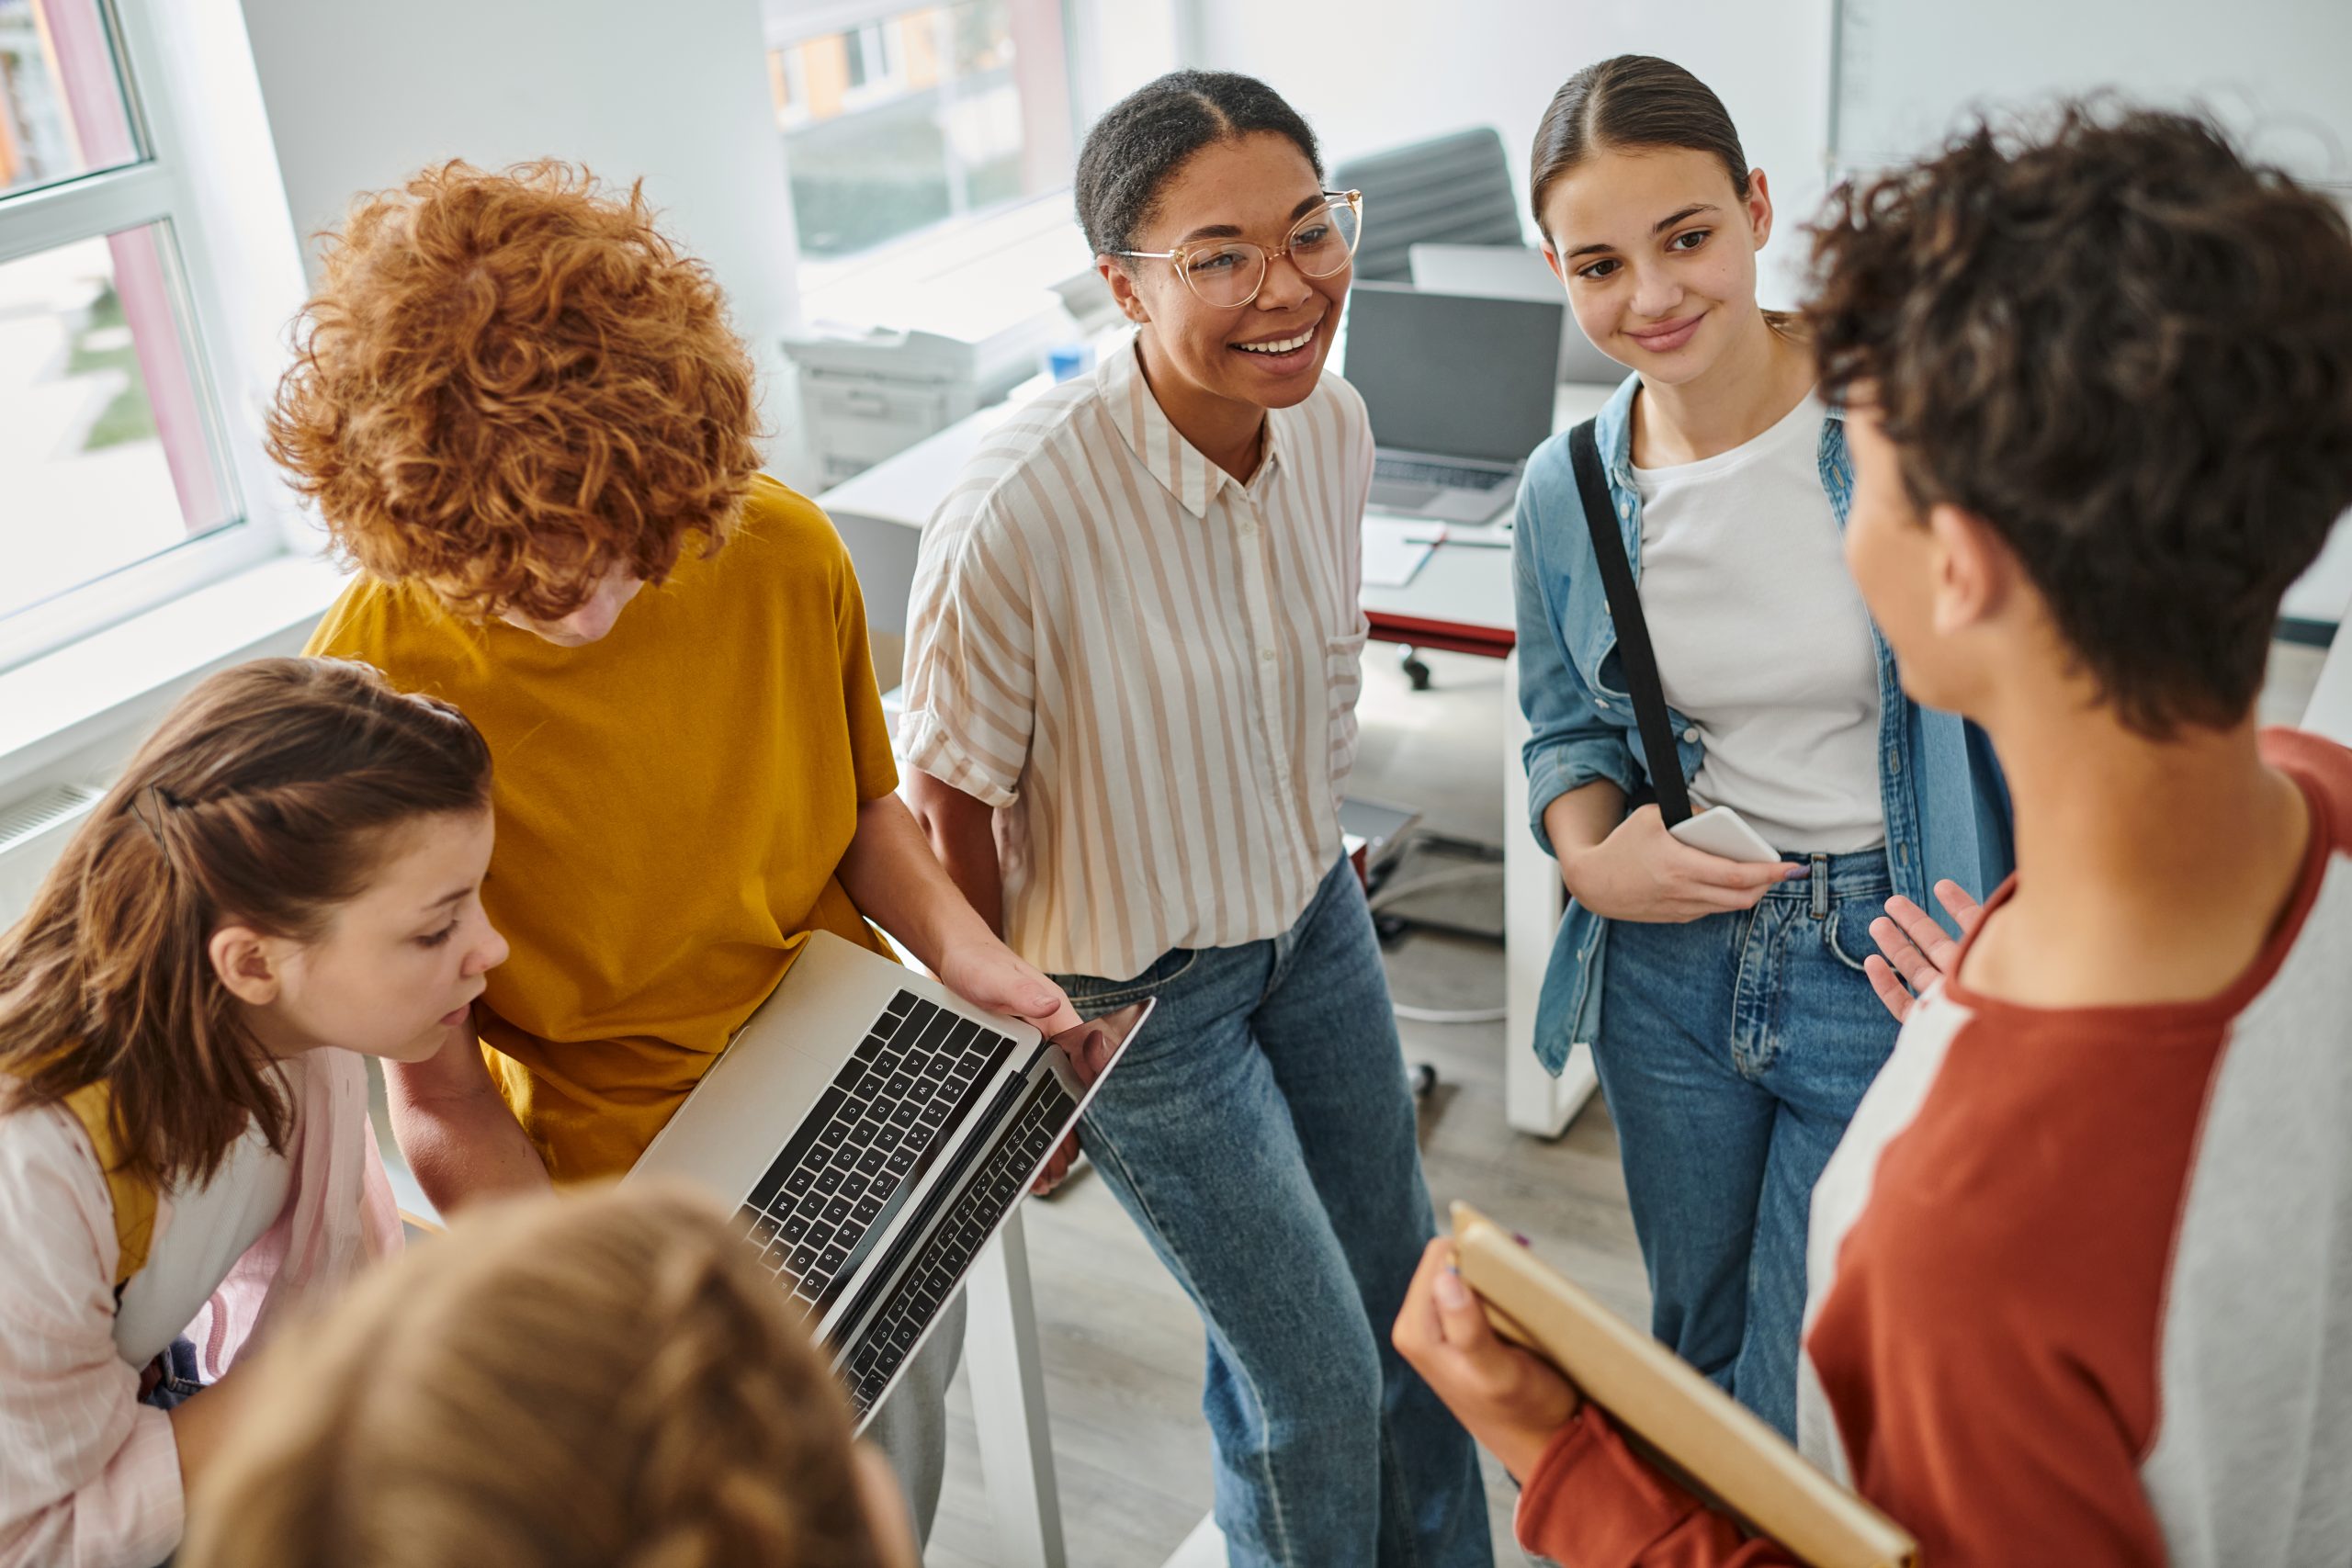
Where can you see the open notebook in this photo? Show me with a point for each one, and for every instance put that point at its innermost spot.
(1705, 1438)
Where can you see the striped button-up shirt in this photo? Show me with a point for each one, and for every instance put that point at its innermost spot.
(1147, 666)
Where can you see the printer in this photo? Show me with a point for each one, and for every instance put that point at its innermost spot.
(870, 391)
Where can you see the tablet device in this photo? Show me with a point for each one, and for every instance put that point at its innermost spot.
(1705, 1438)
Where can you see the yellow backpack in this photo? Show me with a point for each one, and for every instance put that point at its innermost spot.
(133, 1193)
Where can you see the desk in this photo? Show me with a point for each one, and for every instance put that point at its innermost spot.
(1461, 601)
(881, 513)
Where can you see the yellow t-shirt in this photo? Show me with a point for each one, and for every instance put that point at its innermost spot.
(672, 804)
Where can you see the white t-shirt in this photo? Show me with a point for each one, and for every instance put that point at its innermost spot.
(1762, 640)
(211, 1227)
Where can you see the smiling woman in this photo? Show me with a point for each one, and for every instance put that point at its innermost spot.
(1222, 182)
(1133, 662)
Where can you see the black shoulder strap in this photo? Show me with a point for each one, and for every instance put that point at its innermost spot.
(1632, 631)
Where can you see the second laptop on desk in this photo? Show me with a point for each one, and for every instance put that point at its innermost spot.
(1460, 391)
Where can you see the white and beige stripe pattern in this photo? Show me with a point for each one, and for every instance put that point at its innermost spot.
(1148, 667)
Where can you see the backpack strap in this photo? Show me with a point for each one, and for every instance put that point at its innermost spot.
(133, 1194)
(1632, 632)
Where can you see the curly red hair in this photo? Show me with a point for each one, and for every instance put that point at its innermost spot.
(509, 385)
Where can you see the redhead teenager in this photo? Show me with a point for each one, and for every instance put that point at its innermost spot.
(2078, 1292)
(1725, 1003)
(555, 502)
(609, 1380)
(1131, 686)
(287, 878)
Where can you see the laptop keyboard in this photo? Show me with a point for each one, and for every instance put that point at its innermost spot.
(908, 1084)
(884, 1344)
(1405, 471)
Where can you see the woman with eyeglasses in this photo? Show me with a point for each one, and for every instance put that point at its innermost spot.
(1132, 671)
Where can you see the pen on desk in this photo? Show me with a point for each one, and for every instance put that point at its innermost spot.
(1443, 539)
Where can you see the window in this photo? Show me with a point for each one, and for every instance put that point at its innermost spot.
(61, 111)
(91, 378)
(896, 119)
(114, 493)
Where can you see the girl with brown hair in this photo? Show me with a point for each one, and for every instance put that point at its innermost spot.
(1740, 1029)
(286, 878)
(611, 1380)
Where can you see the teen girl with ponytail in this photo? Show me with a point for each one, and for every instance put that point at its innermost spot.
(287, 878)
(1738, 1030)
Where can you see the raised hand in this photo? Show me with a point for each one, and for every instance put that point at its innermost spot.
(1918, 951)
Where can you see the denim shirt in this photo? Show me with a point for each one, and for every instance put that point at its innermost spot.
(1947, 807)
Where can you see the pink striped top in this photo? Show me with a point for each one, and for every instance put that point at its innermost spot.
(88, 1475)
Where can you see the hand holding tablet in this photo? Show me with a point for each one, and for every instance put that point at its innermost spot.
(1514, 1400)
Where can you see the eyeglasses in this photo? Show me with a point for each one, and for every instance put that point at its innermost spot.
(1229, 273)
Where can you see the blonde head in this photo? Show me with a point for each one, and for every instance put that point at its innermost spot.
(608, 1379)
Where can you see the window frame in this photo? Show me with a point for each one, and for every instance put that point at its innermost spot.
(159, 82)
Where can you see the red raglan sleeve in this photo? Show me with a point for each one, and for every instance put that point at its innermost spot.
(1594, 1503)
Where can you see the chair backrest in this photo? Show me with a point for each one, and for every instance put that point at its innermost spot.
(1455, 188)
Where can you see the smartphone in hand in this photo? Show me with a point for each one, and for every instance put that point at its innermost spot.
(1719, 831)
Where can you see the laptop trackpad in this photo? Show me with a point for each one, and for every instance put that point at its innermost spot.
(1401, 497)
(1472, 506)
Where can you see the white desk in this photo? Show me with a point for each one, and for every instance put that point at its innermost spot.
(1461, 601)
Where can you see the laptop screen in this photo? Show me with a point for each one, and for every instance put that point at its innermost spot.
(1452, 374)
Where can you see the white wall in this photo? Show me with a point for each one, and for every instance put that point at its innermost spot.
(361, 94)
(1373, 74)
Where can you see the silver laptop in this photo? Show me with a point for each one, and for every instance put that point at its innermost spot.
(874, 1131)
(1512, 271)
(1460, 391)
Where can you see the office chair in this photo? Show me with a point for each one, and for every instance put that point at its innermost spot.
(1453, 188)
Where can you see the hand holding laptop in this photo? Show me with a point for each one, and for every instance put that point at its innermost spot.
(990, 976)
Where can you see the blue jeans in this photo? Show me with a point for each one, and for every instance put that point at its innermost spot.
(177, 1379)
(1261, 1133)
(1733, 1051)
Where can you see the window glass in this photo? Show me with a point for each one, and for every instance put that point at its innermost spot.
(63, 113)
(918, 117)
(102, 438)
